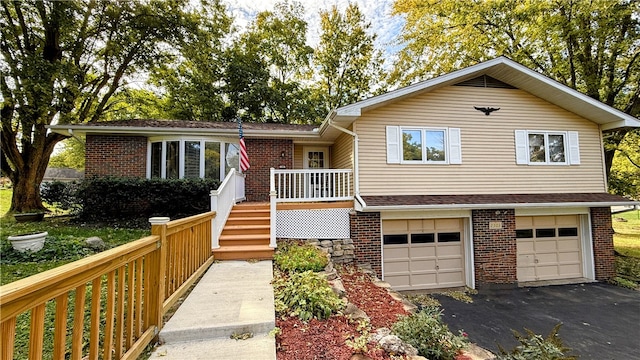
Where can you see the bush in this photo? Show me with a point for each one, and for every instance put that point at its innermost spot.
(298, 257)
(111, 198)
(535, 347)
(306, 295)
(62, 195)
(429, 335)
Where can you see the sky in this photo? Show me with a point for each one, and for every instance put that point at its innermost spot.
(378, 12)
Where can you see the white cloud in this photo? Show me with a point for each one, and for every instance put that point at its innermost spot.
(378, 12)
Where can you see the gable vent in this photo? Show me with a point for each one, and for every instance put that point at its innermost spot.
(485, 81)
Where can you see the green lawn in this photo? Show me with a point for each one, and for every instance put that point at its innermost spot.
(626, 241)
(627, 237)
(5, 201)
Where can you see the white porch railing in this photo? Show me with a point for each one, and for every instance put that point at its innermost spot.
(230, 192)
(307, 185)
(312, 185)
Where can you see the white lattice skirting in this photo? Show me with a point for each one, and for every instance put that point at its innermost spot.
(313, 224)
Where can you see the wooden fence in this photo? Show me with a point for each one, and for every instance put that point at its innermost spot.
(109, 305)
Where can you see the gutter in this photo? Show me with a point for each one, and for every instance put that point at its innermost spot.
(374, 208)
(127, 130)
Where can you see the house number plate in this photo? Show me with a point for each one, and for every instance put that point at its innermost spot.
(495, 224)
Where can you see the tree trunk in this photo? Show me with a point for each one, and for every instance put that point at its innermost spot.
(26, 194)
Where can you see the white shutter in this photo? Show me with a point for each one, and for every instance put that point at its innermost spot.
(574, 148)
(455, 147)
(393, 145)
(522, 153)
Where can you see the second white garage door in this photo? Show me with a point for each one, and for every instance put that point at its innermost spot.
(423, 253)
(548, 247)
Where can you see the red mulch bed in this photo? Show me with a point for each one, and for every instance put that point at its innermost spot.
(325, 339)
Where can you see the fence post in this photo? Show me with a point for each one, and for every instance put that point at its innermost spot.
(157, 275)
(214, 207)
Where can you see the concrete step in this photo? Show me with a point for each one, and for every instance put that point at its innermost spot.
(260, 346)
(243, 252)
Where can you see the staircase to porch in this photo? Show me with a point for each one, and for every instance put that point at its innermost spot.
(246, 233)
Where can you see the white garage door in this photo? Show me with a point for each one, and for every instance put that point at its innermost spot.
(423, 253)
(548, 247)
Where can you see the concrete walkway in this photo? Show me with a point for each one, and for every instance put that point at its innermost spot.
(232, 298)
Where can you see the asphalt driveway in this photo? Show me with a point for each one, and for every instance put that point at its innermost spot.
(600, 321)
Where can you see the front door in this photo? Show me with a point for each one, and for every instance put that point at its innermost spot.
(315, 184)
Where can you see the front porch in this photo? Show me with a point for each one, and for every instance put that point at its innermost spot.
(303, 203)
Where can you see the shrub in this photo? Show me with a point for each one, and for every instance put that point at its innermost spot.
(306, 295)
(112, 198)
(429, 335)
(536, 347)
(297, 257)
(62, 195)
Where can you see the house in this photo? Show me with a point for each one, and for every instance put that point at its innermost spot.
(489, 176)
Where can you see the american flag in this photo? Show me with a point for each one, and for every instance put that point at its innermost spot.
(244, 158)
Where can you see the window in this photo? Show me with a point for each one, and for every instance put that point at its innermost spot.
(568, 232)
(178, 159)
(547, 148)
(524, 234)
(422, 238)
(423, 145)
(395, 239)
(545, 233)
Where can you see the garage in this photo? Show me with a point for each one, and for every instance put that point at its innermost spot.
(423, 253)
(548, 247)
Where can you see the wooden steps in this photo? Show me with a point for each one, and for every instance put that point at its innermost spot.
(246, 234)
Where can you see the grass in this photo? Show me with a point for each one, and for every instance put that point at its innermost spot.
(626, 242)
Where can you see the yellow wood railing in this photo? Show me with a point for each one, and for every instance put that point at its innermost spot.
(109, 305)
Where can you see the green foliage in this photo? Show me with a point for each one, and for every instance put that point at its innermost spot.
(348, 65)
(63, 195)
(424, 301)
(298, 257)
(360, 344)
(72, 156)
(429, 335)
(112, 198)
(306, 295)
(536, 347)
(625, 283)
(624, 178)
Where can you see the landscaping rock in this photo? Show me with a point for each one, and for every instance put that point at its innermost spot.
(360, 357)
(96, 243)
(338, 287)
(354, 313)
(392, 344)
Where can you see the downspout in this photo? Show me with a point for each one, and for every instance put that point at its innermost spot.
(75, 136)
(356, 178)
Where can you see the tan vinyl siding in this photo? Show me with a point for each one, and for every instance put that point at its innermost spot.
(342, 152)
(298, 156)
(488, 146)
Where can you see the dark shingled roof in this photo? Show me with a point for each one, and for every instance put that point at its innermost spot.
(156, 123)
(498, 199)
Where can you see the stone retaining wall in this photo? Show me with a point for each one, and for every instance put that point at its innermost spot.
(340, 250)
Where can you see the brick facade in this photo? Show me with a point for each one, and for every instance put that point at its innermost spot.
(113, 155)
(602, 235)
(366, 235)
(265, 154)
(495, 251)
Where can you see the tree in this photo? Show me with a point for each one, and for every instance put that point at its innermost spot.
(71, 156)
(625, 171)
(348, 66)
(63, 61)
(591, 46)
(193, 82)
(273, 61)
